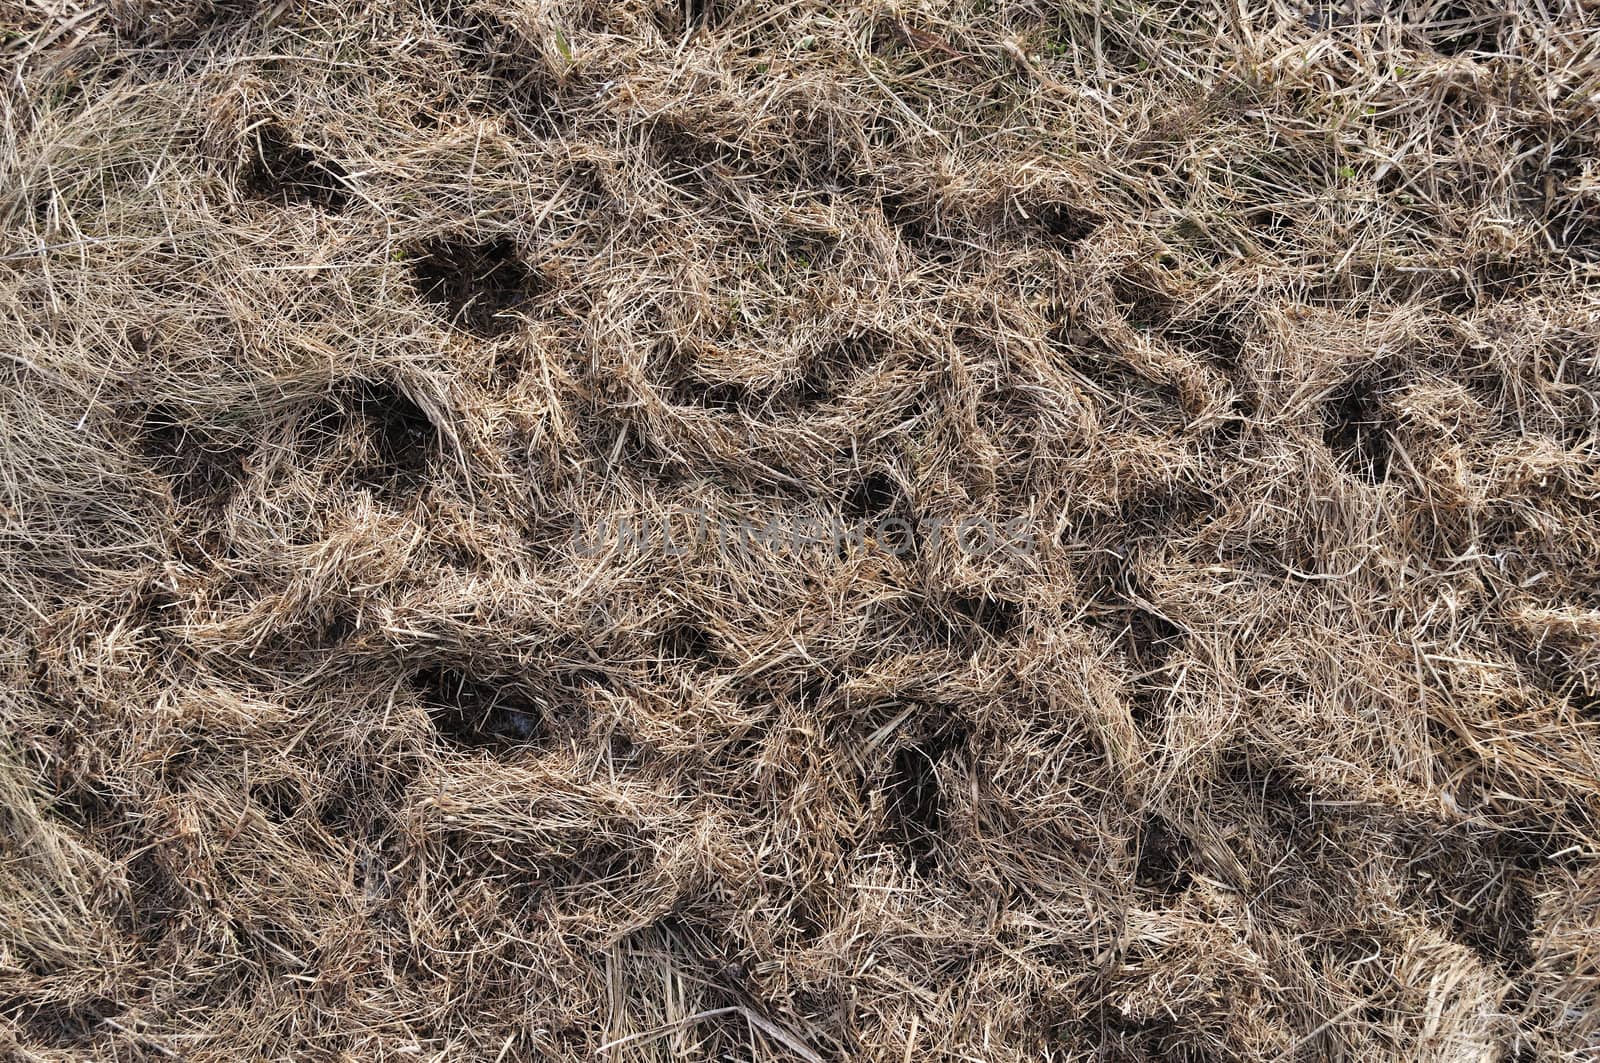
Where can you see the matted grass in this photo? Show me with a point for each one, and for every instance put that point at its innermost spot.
(340, 339)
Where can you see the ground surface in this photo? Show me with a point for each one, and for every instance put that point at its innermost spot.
(336, 335)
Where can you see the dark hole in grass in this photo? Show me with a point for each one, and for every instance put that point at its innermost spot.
(1162, 858)
(86, 806)
(1321, 16)
(341, 811)
(1287, 805)
(727, 396)
(1147, 705)
(821, 162)
(914, 227)
(1356, 430)
(1269, 222)
(509, 364)
(915, 801)
(1483, 886)
(404, 438)
(1497, 921)
(1143, 304)
(588, 188)
(1066, 223)
(287, 173)
(474, 285)
(517, 85)
(816, 689)
(915, 219)
(1114, 590)
(278, 800)
(828, 371)
(178, 24)
(689, 642)
(464, 557)
(1552, 193)
(39, 204)
(528, 99)
(695, 163)
(1011, 417)
(61, 1024)
(697, 14)
(1520, 1050)
(325, 624)
(1146, 637)
(617, 442)
(742, 743)
(1578, 687)
(1169, 509)
(894, 533)
(1152, 638)
(1217, 341)
(494, 49)
(1118, 1038)
(455, 16)
(516, 82)
(1478, 284)
(968, 620)
(1115, 386)
(883, 131)
(874, 495)
(471, 712)
(875, 510)
(176, 768)
(200, 470)
(156, 898)
(1580, 235)
(805, 251)
(686, 165)
(1337, 951)
(1229, 432)
(333, 626)
(1456, 29)
(356, 800)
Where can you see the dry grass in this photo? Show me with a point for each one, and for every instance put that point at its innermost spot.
(329, 327)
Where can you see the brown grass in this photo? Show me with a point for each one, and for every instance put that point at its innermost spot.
(330, 328)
